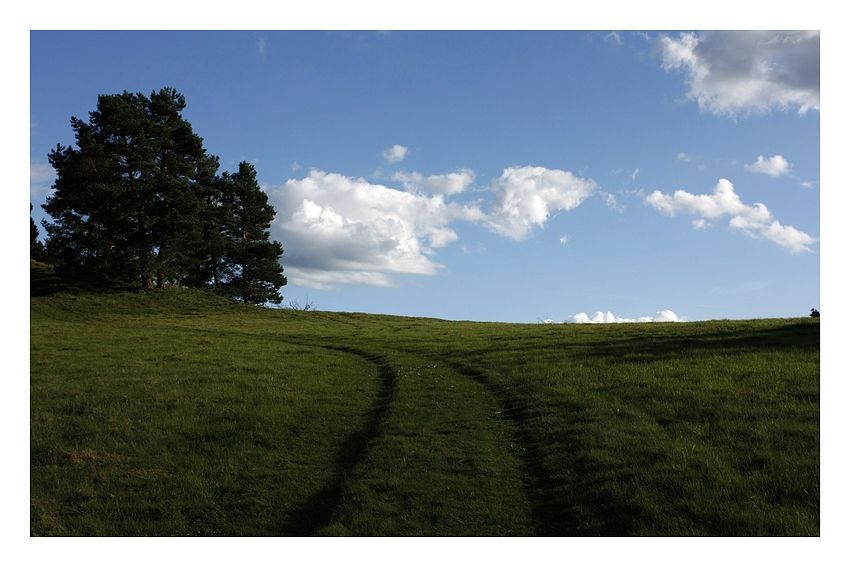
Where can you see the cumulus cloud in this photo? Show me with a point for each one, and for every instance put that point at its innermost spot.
(340, 230)
(734, 72)
(774, 166)
(527, 196)
(665, 316)
(563, 240)
(396, 153)
(445, 183)
(809, 184)
(755, 220)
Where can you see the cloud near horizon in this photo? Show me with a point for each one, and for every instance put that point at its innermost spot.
(740, 72)
(665, 316)
(755, 220)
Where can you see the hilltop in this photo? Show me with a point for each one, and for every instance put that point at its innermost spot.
(178, 412)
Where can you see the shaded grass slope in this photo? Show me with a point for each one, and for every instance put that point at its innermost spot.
(175, 412)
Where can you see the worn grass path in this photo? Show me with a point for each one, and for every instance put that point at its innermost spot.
(177, 413)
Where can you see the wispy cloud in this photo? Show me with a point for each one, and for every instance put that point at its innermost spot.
(614, 38)
(445, 183)
(611, 200)
(42, 175)
(685, 157)
(261, 46)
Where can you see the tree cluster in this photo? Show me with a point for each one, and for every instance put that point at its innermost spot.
(139, 200)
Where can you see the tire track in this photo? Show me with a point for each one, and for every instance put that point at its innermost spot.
(550, 515)
(318, 510)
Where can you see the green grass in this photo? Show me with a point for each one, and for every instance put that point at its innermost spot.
(179, 413)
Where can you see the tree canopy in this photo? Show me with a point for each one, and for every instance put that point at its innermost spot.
(36, 247)
(139, 200)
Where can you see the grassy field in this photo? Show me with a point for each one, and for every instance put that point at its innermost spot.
(179, 413)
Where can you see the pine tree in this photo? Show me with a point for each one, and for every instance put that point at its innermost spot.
(36, 247)
(251, 262)
(128, 197)
(139, 200)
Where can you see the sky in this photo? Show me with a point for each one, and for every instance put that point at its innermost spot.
(577, 176)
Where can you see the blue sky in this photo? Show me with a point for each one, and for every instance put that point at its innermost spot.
(502, 176)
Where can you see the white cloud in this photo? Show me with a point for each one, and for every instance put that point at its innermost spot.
(563, 240)
(635, 173)
(261, 46)
(682, 156)
(42, 176)
(614, 38)
(809, 184)
(732, 72)
(396, 153)
(526, 197)
(665, 316)
(701, 224)
(755, 220)
(611, 201)
(445, 183)
(339, 230)
(773, 166)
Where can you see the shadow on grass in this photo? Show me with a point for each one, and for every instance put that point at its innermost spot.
(318, 510)
(44, 281)
(651, 347)
(560, 506)
(789, 337)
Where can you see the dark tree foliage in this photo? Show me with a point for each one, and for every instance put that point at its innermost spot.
(256, 273)
(36, 247)
(239, 259)
(138, 200)
(814, 313)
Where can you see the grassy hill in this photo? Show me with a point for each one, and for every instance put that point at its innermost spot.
(176, 412)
